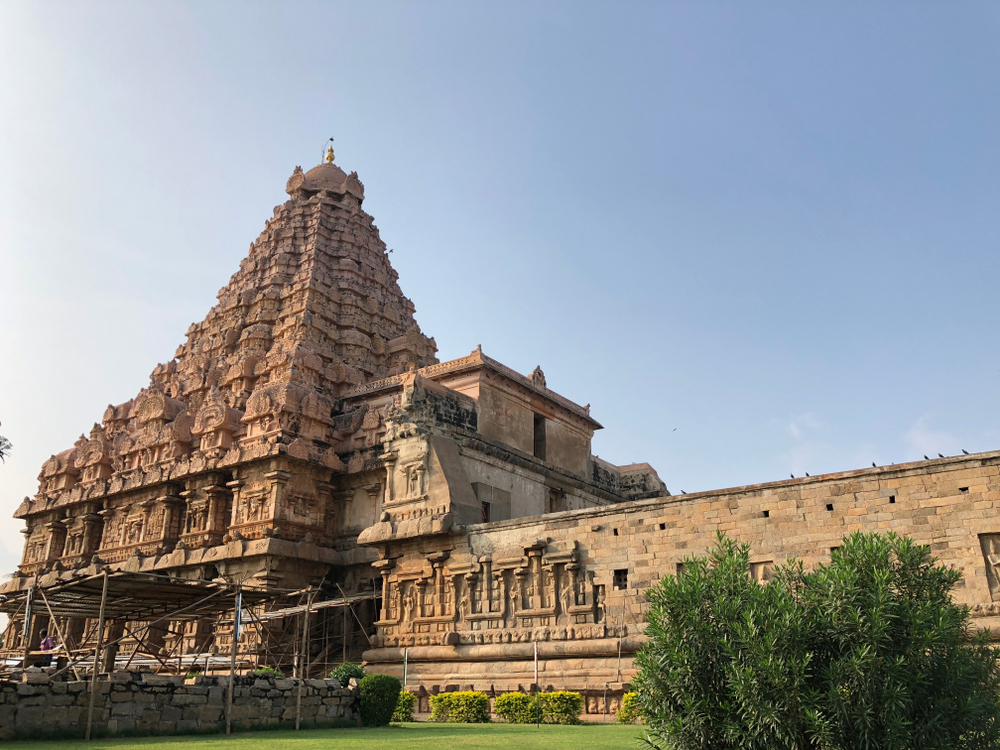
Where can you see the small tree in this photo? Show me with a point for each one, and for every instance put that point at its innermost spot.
(5, 446)
(868, 651)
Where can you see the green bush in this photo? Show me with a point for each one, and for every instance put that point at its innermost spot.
(631, 710)
(467, 707)
(404, 706)
(561, 707)
(515, 708)
(379, 695)
(267, 672)
(346, 671)
(868, 651)
(553, 708)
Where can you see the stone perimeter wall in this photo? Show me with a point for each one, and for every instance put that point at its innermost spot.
(950, 504)
(146, 703)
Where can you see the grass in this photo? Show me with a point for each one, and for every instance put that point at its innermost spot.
(398, 737)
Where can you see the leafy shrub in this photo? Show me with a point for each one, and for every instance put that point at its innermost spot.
(267, 672)
(631, 709)
(379, 695)
(868, 651)
(563, 707)
(466, 707)
(515, 708)
(346, 671)
(404, 706)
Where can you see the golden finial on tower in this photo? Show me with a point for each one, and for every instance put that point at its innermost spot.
(329, 155)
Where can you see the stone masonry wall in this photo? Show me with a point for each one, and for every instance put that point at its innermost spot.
(145, 703)
(587, 638)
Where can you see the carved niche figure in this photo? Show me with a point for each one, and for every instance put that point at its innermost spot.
(395, 599)
(134, 531)
(409, 604)
(567, 594)
(515, 599)
(252, 508)
(990, 544)
(414, 480)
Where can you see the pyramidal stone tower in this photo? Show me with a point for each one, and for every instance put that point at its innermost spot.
(304, 431)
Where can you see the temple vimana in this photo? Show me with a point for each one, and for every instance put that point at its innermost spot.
(305, 436)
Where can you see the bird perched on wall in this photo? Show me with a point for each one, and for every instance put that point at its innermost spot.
(940, 456)
(965, 451)
(807, 473)
(792, 476)
(873, 465)
(926, 457)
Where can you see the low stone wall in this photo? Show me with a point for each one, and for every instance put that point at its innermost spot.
(138, 703)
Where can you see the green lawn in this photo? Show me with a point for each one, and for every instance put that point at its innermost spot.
(436, 736)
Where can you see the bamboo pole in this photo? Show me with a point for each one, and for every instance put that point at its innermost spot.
(28, 617)
(303, 660)
(97, 656)
(232, 661)
(55, 623)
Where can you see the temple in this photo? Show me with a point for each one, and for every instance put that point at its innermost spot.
(305, 437)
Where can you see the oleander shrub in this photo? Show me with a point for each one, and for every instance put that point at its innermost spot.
(561, 707)
(631, 710)
(868, 651)
(515, 708)
(404, 706)
(465, 707)
(379, 696)
(346, 671)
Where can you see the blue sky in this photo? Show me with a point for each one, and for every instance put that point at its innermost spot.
(771, 226)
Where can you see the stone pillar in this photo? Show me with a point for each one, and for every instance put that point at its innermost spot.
(385, 567)
(56, 539)
(171, 506)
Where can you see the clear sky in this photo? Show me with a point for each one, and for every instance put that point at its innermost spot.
(759, 238)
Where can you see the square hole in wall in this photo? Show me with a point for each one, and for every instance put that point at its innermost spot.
(620, 582)
(616, 531)
(767, 514)
(681, 567)
(892, 498)
(663, 526)
(829, 506)
(964, 490)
